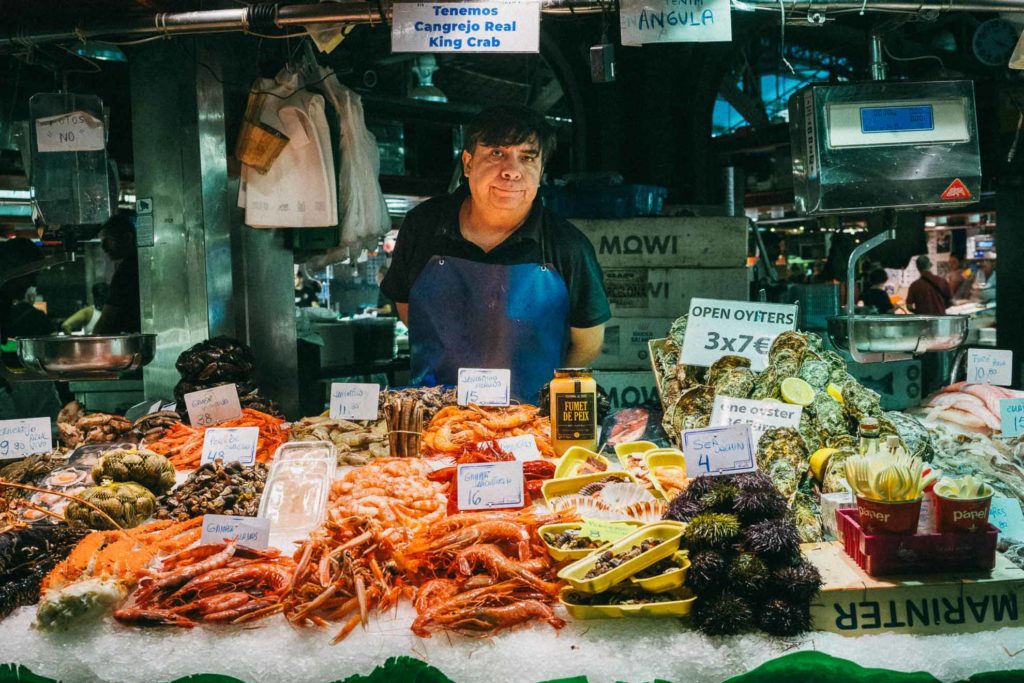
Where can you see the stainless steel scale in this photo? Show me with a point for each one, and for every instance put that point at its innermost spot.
(882, 145)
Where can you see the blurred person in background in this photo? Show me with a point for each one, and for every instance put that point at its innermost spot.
(929, 294)
(875, 295)
(120, 312)
(306, 289)
(959, 278)
(385, 306)
(85, 318)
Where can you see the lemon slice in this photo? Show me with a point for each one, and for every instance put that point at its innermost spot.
(820, 460)
(835, 391)
(797, 392)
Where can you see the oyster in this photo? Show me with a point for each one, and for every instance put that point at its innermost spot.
(720, 366)
(795, 342)
(782, 443)
(785, 476)
(814, 343)
(815, 373)
(828, 416)
(860, 402)
(809, 432)
(692, 410)
(766, 385)
(915, 436)
(678, 330)
(807, 516)
(836, 367)
(786, 363)
(834, 480)
(843, 441)
(737, 382)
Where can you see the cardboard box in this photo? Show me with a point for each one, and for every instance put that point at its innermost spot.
(628, 388)
(897, 382)
(719, 242)
(637, 292)
(625, 342)
(851, 603)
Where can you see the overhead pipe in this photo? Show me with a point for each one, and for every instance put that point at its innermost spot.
(268, 16)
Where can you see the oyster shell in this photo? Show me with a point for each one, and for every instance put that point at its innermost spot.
(782, 443)
(815, 373)
(786, 363)
(860, 402)
(723, 364)
(784, 475)
(737, 382)
(828, 415)
(915, 436)
(834, 480)
(809, 432)
(678, 330)
(807, 516)
(843, 441)
(836, 367)
(647, 511)
(620, 496)
(793, 341)
(766, 385)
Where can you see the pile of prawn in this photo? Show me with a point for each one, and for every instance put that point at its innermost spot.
(480, 572)
(454, 428)
(393, 492)
(972, 407)
(213, 583)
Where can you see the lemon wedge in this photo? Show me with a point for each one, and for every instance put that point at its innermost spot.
(797, 392)
(836, 392)
(820, 460)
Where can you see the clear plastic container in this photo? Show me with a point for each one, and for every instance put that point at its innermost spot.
(306, 450)
(295, 496)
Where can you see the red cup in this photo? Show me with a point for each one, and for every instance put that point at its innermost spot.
(962, 515)
(878, 517)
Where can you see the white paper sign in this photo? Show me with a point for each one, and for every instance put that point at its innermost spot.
(213, 406)
(76, 131)
(484, 387)
(990, 366)
(1011, 415)
(354, 401)
(503, 26)
(759, 415)
(717, 328)
(523, 448)
(251, 532)
(490, 485)
(1005, 514)
(675, 21)
(236, 444)
(718, 450)
(20, 438)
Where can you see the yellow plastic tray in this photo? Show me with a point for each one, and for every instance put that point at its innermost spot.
(674, 608)
(663, 457)
(569, 463)
(560, 555)
(634, 447)
(670, 580)
(669, 534)
(553, 488)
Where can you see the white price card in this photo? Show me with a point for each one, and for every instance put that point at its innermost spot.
(235, 444)
(502, 26)
(759, 415)
(990, 366)
(76, 131)
(1005, 514)
(483, 486)
(717, 328)
(251, 532)
(1011, 415)
(523, 448)
(19, 438)
(484, 387)
(670, 21)
(212, 406)
(354, 401)
(718, 450)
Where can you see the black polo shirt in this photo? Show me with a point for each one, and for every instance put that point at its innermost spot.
(432, 229)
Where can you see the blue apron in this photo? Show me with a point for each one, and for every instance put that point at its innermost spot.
(464, 314)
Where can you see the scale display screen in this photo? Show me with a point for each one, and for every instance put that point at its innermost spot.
(897, 119)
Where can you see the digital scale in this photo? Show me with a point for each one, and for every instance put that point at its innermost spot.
(877, 145)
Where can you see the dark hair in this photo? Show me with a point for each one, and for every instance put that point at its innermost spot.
(510, 124)
(923, 262)
(877, 276)
(120, 226)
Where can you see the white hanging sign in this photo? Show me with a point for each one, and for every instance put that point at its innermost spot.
(352, 401)
(675, 21)
(717, 327)
(76, 131)
(504, 26)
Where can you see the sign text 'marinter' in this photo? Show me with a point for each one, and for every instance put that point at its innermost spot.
(910, 613)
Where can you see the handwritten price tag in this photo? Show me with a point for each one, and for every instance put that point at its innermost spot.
(1005, 514)
(484, 387)
(719, 328)
(718, 450)
(237, 444)
(1011, 414)
(252, 532)
(212, 406)
(76, 131)
(523, 448)
(990, 366)
(604, 530)
(484, 486)
(20, 438)
(760, 415)
(354, 401)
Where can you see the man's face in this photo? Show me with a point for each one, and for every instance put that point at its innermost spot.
(504, 180)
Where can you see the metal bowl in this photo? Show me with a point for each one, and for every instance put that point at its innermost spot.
(900, 333)
(86, 358)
